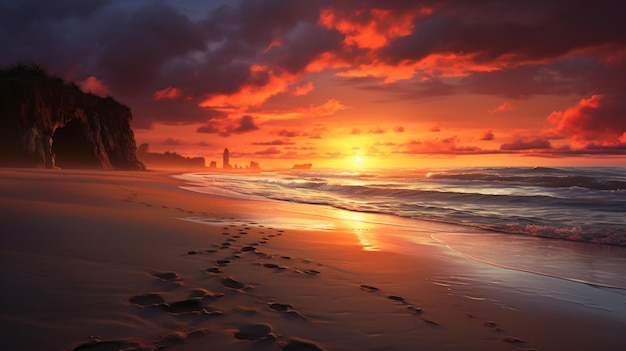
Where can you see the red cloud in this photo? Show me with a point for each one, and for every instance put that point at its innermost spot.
(95, 86)
(275, 142)
(372, 28)
(488, 135)
(505, 106)
(520, 144)
(377, 130)
(599, 119)
(271, 151)
(398, 129)
(438, 146)
(168, 93)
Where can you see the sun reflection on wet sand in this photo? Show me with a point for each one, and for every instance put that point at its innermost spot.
(362, 229)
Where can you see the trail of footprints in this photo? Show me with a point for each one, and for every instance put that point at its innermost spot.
(235, 246)
(420, 313)
(198, 301)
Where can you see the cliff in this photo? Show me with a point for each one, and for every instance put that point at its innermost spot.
(45, 122)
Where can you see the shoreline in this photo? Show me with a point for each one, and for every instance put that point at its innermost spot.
(77, 246)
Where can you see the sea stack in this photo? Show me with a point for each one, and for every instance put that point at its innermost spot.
(226, 164)
(48, 123)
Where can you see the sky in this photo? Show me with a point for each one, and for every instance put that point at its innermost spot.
(346, 83)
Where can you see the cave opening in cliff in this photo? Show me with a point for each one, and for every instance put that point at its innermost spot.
(71, 147)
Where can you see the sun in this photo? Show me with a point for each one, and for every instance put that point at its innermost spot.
(358, 159)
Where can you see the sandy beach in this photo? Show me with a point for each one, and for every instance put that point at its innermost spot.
(95, 260)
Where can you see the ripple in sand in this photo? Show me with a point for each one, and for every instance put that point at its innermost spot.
(147, 299)
(253, 332)
(297, 344)
(229, 282)
(166, 275)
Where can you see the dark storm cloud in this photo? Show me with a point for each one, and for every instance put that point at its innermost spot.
(225, 128)
(140, 47)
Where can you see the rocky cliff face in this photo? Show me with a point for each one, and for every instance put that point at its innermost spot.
(45, 122)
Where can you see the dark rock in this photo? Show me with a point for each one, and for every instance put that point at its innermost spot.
(48, 123)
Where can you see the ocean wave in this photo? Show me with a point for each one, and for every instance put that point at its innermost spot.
(571, 204)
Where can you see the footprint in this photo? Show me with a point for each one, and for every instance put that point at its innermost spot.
(513, 340)
(369, 288)
(280, 307)
(183, 306)
(297, 344)
(214, 270)
(396, 298)
(203, 293)
(147, 299)
(254, 332)
(229, 282)
(222, 263)
(107, 345)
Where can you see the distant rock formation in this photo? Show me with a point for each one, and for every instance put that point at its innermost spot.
(226, 159)
(45, 122)
(303, 166)
(213, 165)
(254, 165)
(167, 159)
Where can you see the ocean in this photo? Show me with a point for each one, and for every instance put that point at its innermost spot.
(579, 204)
(566, 223)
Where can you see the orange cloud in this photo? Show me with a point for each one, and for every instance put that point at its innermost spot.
(94, 85)
(251, 94)
(304, 89)
(448, 65)
(168, 93)
(505, 106)
(371, 29)
(326, 60)
(328, 108)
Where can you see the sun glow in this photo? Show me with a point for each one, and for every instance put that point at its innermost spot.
(358, 159)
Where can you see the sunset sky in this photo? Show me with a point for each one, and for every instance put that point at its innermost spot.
(388, 83)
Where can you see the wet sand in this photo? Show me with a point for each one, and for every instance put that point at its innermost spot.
(130, 261)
